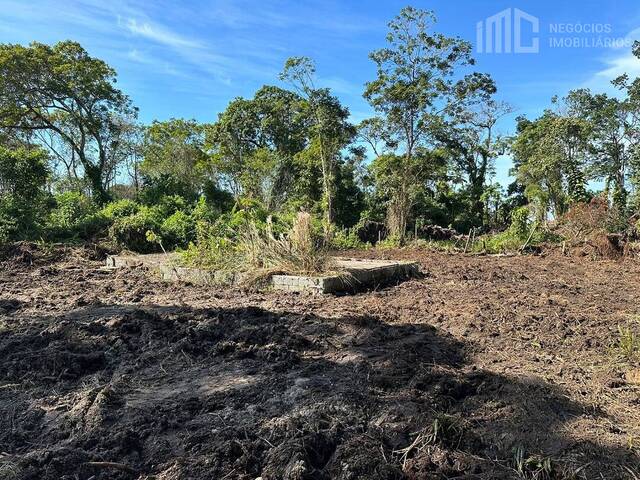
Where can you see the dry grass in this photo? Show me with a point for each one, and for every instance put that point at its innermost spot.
(299, 252)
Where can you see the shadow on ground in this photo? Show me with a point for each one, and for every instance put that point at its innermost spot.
(183, 393)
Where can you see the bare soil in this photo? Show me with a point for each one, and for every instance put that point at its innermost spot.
(488, 367)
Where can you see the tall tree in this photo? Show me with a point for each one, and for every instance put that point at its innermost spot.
(254, 141)
(415, 81)
(330, 130)
(468, 134)
(176, 148)
(552, 155)
(612, 130)
(63, 90)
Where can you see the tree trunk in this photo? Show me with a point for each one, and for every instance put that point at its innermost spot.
(100, 194)
(398, 214)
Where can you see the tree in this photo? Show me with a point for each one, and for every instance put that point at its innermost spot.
(611, 133)
(176, 149)
(551, 154)
(468, 134)
(23, 175)
(330, 130)
(254, 141)
(62, 90)
(415, 82)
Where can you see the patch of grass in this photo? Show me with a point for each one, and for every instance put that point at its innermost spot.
(532, 466)
(298, 252)
(348, 239)
(627, 345)
(446, 430)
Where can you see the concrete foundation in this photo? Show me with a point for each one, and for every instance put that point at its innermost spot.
(352, 274)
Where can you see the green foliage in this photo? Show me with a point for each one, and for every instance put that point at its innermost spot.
(521, 223)
(65, 91)
(416, 81)
(156, 188)
(130, 231)
(392, 241)
(75, 216)
(258, 252)
(551, 154)
(23, 175)
(627, 345)
(347, 239)
(120, 208)
(172, 220)
(533, 466)
(522, 229)
(175, 149)
(268, 157)
(211, 252)
(178, 229)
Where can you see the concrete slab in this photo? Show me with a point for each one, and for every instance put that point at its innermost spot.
(351, 274)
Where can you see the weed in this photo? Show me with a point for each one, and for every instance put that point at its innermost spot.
(627, 345)
(531, 467)
(445, 430)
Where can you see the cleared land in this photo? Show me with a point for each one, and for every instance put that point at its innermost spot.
(488, 367)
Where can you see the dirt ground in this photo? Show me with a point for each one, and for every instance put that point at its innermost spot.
(486, 368)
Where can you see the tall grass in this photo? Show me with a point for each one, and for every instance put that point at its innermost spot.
(298, 252)
(258, 253)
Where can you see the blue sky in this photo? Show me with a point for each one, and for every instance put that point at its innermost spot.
(190, 58)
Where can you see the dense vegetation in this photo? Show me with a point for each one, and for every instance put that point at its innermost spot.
(75, 164)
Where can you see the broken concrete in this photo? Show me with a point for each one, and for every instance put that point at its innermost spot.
(351, 274)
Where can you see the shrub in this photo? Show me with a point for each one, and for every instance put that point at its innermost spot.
(131, 231)
(120, 208)
(523, 229)
(75, 216)
(348, 239)
(392, 241)
(259, 252)
(177, 230)
(521, 223)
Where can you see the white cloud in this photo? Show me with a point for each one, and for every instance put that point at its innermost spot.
(619, 61)
(160, 34)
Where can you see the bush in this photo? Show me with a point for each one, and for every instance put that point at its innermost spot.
(348, 239)
(177, 230)
(120, 208)
(130, 232)
(259, 253)
(392, 241)
(521, 230)
(75, 216)
(521, 223)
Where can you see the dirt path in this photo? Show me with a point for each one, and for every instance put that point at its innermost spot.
(488, 367)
